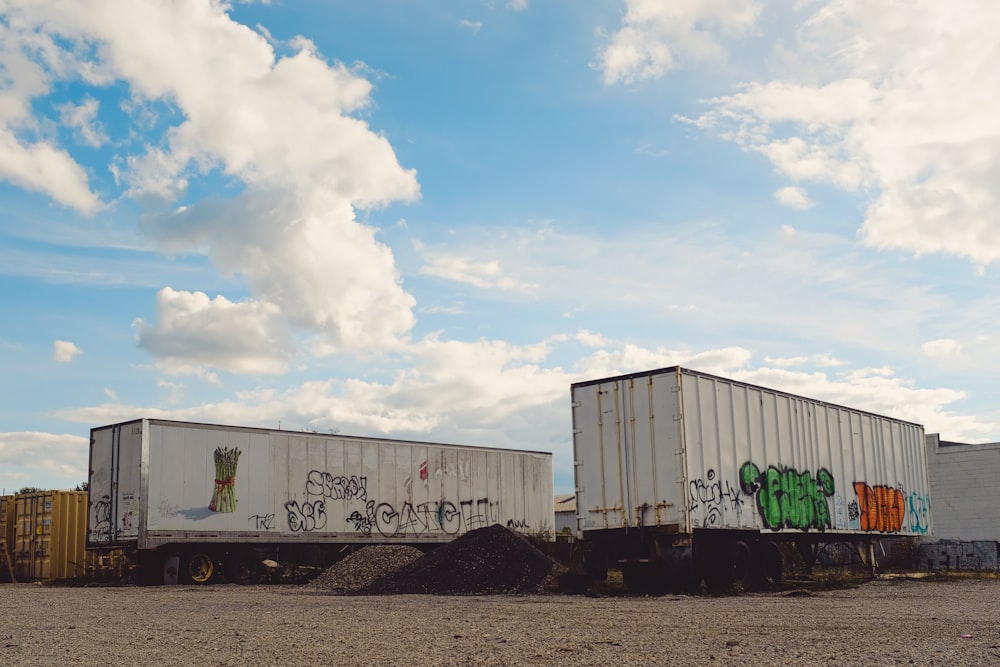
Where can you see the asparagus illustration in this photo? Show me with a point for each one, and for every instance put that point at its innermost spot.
(224, 496)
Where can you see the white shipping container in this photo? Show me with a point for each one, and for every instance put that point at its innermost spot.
(686, 450)
(156, 482)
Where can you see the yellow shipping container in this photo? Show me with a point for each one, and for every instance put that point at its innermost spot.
(50, 529)
(6, 537)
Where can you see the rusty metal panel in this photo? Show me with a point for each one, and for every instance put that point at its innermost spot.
(719, 453)
(49, 535)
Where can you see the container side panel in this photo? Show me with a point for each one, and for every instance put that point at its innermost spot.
(765, 460)
(314, 488)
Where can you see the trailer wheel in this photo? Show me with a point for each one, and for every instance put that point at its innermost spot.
(768, 566)
(741, 565)
(242, 568)
(731, 568)
(198, 567)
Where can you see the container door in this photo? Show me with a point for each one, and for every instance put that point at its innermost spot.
(114, 484)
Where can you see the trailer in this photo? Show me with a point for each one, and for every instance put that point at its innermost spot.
(684, 478)
(178, 501)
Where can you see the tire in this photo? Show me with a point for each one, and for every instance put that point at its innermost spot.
(769, 566)
(731, 568)
(643, 579)
(242, 568)
(198, 567)
(741, 566)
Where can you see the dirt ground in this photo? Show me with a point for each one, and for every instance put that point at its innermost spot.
(888, 622)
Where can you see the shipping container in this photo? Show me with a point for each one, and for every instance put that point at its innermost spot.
(6, 538)
(682, 476)
(210, 498)
(49, 535)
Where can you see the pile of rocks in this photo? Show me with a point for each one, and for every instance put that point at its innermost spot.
(485, 561)
(365, 566)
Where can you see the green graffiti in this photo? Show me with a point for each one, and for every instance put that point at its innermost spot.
(788, 498)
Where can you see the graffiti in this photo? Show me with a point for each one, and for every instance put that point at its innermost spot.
(920, 509)
(363, 523)
(423, 518)
(788, 498)
(882, 508)
(168, 510)
(127, 520)
(517, 525)
(263, 521)
(102, 517)
(853, 513)
(308, 517)
(714, 495)
(340, 487)
(479, 513)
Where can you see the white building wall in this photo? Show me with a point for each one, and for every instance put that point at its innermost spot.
(964, 483)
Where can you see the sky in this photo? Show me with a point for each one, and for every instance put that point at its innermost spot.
(426, 219)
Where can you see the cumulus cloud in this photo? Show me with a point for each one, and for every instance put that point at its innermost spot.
(655, 36)
(194, 332)
(286, 131)
(896, 101)
(794, 197)
(26, 456)
(27, 160)
(83, 117)
(64, 351)
(941, 348)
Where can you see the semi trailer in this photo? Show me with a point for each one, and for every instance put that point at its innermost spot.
(176, 501)
(684, 478)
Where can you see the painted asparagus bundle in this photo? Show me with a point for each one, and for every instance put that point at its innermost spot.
(224, 496)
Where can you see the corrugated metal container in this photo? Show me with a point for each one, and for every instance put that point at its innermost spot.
(49, 535)
(154, 482)
(7, 519)
(675, 447)
(7, 526)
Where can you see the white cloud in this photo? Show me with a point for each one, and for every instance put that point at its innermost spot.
(44, 168)
(486, 274)
(794, 197)
(941, 348)
(472, 26)
(63, 351)
(491, 392)
(194, 332)
(518, 5)
(655, 35)
(27, 456)
(83, 117)
(896, 100)
(40, 165)
(286, 131)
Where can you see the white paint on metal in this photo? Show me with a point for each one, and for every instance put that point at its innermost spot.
(701, 451)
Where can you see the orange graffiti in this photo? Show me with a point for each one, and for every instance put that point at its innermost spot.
(882, 508)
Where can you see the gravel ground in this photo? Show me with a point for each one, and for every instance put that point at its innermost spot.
(880, 623)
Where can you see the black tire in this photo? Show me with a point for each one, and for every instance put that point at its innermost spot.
(198, 567)
(741, 566)
(769, 566)
(731, 568)
(242, 568)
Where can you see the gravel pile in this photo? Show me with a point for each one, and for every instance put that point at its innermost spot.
(485, 561)
(364, 566)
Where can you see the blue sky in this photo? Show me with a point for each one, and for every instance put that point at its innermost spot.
(426, 219)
